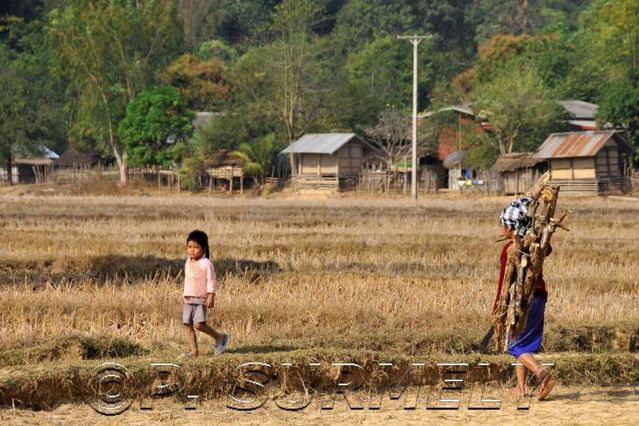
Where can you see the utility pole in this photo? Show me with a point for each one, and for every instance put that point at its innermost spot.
(415, 40)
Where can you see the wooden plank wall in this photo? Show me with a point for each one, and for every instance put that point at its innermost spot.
(602, 174)
(518, 181)
(350, 159)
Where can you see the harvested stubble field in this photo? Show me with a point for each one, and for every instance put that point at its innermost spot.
(87, 279)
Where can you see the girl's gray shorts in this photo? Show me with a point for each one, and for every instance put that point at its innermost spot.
(193, 313)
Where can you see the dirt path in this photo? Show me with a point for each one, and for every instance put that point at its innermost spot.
(568, 405)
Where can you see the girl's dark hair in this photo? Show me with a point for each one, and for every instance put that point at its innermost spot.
(202, 239)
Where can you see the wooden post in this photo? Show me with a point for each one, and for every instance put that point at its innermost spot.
(231, 180)
(242, 181)
(294, 164)
(210, 183)
(178, 182)
(159, 180)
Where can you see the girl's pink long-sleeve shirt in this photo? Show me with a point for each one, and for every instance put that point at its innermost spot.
(199, 278)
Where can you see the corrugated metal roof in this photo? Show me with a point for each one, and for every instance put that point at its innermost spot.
(202, 119)
(573, 144)
(457, 108)
(584, 124)
(581, 109)
(454, 159)
(49, 154)
(319, 143)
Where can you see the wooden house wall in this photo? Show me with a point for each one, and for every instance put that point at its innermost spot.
(518, 181)
(608, 162)
(573, 168)
(309, 164)
(438, 172)
(350, 157)
(601, 174)
(347, 161)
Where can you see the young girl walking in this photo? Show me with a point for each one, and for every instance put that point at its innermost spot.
(514, 223)
(199, 293)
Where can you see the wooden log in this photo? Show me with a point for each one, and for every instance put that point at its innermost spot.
(525, 262)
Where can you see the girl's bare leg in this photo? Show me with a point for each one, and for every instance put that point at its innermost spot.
(190, 336)
(205, 328)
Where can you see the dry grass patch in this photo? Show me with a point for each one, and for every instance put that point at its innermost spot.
(360, 274)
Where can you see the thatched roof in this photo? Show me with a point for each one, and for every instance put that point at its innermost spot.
(46, 157)
(33, 161)
(515, 161)
(74, 158)
(224, 157)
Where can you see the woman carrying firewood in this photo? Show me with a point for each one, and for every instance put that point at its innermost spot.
(515, 221)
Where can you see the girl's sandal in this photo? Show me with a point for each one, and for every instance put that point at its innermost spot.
(546, 386)
(186, 355)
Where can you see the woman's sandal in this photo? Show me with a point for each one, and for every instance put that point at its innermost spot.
(545, 386)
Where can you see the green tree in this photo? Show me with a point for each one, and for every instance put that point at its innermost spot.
(109, 50)
(257, 157)
(519, 112)
(294, 54)
(383, 71)
(493, 17)
(555, 61)
(605, 48)
(561, 17)
(361, 21)
(226, 131)
(31, 101)
(619, 105)
(610, 31)
(19, 115)
(217, 49)
(283, 86)
(608, 40)
(155, 121)
(194, 14)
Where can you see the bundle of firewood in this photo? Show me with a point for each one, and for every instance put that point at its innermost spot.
(525, 261)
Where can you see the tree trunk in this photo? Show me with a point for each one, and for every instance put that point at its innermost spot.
(120, 157)
(121, 160)
(9, 167)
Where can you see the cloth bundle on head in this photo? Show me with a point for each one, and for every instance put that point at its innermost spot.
(515, 216)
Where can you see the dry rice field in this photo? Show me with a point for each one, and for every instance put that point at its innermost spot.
(86, 279)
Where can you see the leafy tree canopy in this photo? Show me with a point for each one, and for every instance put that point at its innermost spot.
(155, 121)
(201, 83)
